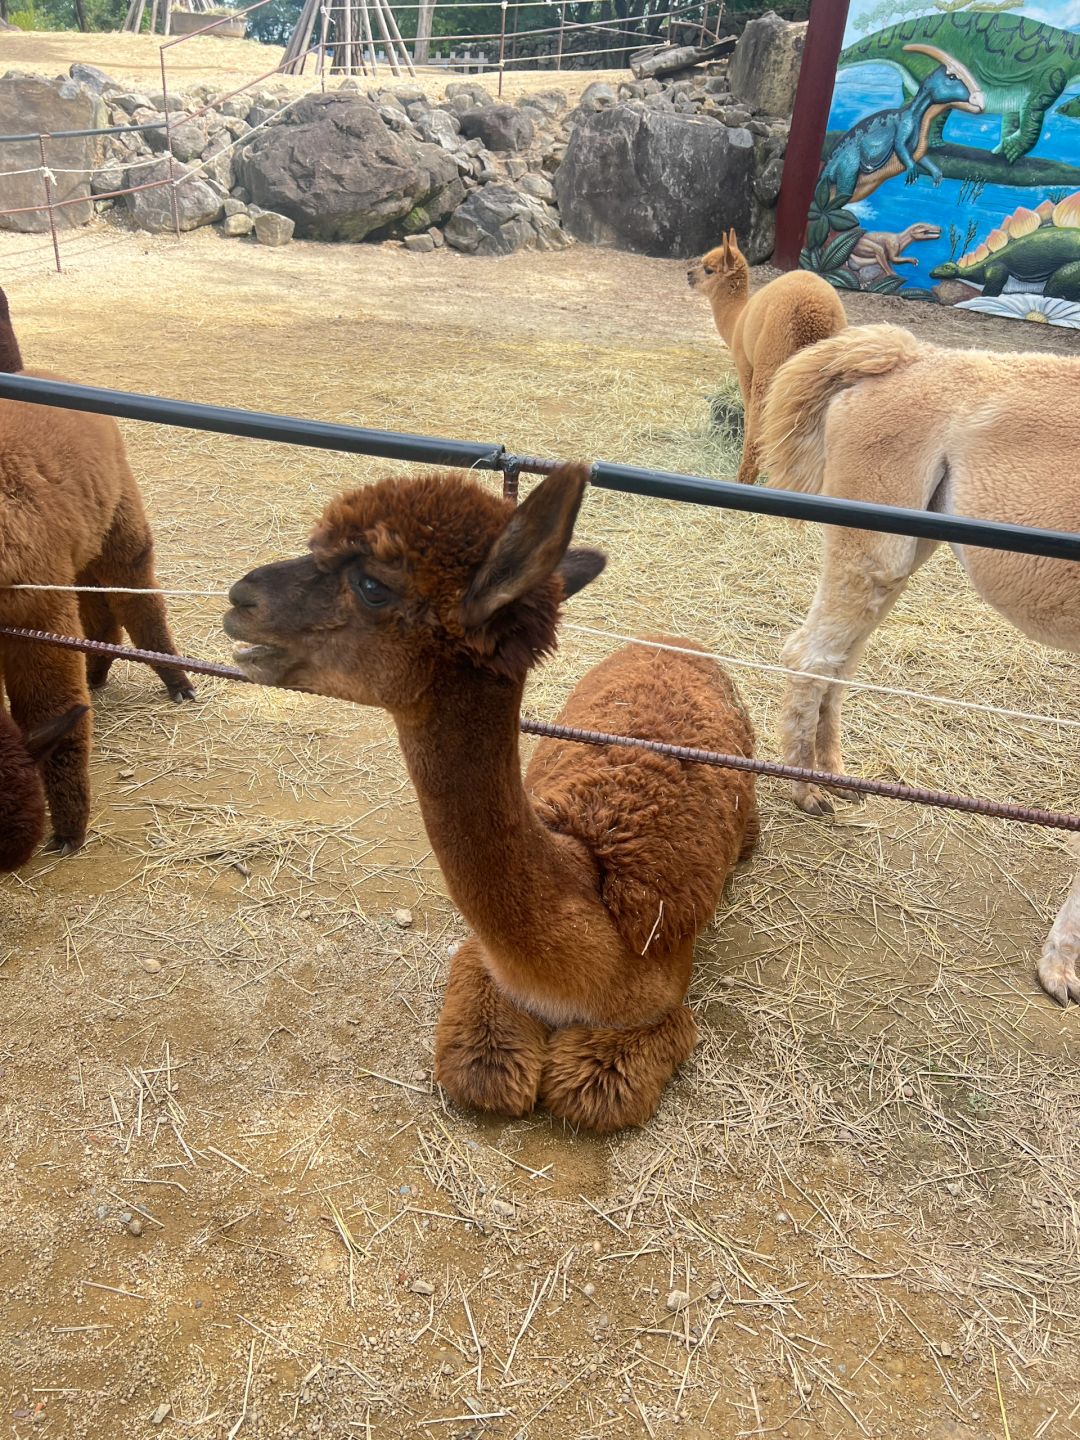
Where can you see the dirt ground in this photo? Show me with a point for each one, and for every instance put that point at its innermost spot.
(866, 1179)
(228, 64)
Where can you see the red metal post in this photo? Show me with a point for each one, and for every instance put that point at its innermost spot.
(49, 200)
(813, 99)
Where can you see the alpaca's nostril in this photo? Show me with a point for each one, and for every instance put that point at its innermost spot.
(243, 596)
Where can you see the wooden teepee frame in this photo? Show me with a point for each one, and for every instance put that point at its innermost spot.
(137, 8)
(354, 40)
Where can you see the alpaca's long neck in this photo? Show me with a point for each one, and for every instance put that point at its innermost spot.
(726, 310)
(505, 870)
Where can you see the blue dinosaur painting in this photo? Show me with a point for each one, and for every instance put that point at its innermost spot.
(951, 167)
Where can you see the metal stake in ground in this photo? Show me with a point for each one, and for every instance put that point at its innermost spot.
(45, 173)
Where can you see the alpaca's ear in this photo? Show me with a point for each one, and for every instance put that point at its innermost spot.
(579, 568)
(530, 548)
(40, 743)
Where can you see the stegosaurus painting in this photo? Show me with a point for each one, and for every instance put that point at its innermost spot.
(1033, 247)
(940, 124)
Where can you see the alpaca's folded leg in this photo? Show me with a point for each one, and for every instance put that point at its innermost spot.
(1059, 965)
(604, 1080)
(489, 1054)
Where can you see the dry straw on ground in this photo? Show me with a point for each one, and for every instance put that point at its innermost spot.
(865, 1181)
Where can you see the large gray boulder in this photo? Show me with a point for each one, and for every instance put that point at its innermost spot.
(197, 203)
(765, 67)
(497, 220)
(500, 127)
(32, 105)
(334, 168)
(660, 183)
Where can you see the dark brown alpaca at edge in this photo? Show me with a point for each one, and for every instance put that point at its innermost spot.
(586, 885)
(70, 514)
(22, 795)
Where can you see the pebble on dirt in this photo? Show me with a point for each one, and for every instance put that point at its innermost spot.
(677, 1300)
(403, 919)
(161, 1414)
(150, 965)
(422, 1287)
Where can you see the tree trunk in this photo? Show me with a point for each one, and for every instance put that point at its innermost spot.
(422, 45)
(80, 15)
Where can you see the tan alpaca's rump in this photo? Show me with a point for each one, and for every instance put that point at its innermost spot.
(876, 415)
(586, 883)
(71, 514)
(763, 330)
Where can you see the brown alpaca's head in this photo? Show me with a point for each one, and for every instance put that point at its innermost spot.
(10, 356)
(409, 577)
(723, 273)
(22, 795)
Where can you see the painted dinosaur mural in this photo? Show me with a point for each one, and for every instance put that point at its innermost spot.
(1021, 65)
(953, 136)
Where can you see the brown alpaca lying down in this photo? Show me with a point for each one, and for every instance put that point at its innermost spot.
(875, 414)
(764, 329)
(586, 885)
(70, 514)
(22, 795)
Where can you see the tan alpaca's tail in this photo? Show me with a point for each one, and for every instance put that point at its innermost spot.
(792, 438)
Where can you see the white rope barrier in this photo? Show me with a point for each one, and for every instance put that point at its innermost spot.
(761, 666)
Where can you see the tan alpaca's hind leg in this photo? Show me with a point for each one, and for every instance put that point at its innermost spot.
(862, 577)
(1059, 965)
(489, 1055)
(605, 1080)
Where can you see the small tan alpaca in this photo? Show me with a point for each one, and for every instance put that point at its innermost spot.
(874, 414)
(764, 329)
(587, 884)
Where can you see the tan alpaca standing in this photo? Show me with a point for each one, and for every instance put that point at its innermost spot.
(587, 885)
(764, 329)
(874, 414)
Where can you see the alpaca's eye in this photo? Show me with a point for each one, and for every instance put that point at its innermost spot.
(373, 592)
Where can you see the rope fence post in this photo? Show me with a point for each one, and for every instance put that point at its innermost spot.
(47, 182)
(168, 139)
(502, 43)
(562, 27)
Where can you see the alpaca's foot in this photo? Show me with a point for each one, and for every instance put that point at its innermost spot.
(1059, 975)
(816, 800)
(1059, 964)
(489, 1055)
(178, 685)
(62, 845)
(605, 1080)
(97, 670)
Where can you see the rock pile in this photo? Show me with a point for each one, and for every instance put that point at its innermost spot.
(658, 166)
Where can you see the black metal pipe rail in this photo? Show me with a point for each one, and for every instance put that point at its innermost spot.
(85, 134)
(638, 480)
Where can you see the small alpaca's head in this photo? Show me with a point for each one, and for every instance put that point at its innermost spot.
(408, 578)
(22, 795)
(723, 273)
(10, 356)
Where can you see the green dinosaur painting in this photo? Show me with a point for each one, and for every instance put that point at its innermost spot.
(1030, 248)
(1022, 66)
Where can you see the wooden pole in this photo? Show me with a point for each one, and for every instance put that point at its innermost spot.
(502, 44)
(369, 39)
(346, 35)
(562, 27)
(396, 33)
(391, 57)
